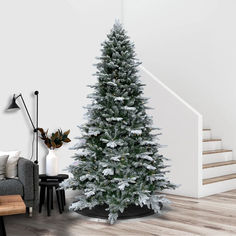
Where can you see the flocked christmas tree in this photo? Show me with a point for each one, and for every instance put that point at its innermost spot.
(117, 160)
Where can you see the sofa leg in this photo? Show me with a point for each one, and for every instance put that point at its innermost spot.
(29, 211)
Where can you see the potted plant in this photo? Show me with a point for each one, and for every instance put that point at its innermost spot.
(53, 142)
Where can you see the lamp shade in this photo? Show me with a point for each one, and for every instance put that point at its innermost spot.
(13, 104)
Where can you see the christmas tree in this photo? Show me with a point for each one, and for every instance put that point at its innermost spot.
(117, 161)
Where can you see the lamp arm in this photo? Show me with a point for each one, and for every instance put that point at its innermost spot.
(35, 129)
(31, 121)
(36, 93)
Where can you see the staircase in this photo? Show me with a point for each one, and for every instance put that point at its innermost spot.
(197, 174)
(219, 167)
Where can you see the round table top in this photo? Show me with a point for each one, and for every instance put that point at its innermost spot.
(55, 183)
(59, 177)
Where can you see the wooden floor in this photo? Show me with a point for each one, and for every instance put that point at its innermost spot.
(214, 215)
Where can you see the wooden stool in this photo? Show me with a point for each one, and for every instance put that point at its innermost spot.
(59, 193)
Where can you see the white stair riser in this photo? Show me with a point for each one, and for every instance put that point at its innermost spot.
(218, 171)
(206, 134)
(218, 187)
(213, 145)
(217, 157)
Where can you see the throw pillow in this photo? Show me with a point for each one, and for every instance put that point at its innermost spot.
(11, 167)
(3, 163)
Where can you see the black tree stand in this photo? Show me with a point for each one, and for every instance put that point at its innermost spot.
(132, 211)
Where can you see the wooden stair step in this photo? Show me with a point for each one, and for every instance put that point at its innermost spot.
(216, 151)
(212, 140)
(219, 179)
(216, 164)
(206, 129)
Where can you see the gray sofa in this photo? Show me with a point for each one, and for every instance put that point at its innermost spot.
(25, 185)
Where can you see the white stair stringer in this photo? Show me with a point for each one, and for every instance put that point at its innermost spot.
(218, 187)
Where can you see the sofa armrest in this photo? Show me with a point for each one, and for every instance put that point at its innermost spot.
(28, 175)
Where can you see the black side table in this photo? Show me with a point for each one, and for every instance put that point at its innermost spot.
(60, 177)
(49, 187)
(49, 182)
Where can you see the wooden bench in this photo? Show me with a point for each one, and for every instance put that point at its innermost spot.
(10, 205)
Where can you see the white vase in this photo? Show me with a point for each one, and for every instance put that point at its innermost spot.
(51, 163)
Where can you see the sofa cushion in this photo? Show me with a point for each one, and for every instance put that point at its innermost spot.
(11, 187)
(11, 167)
(3, 163)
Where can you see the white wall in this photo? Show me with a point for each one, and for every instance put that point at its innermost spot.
(50, 46)
(181, 129)
(190, 45)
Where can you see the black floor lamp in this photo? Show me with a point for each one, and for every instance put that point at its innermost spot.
(14, 105)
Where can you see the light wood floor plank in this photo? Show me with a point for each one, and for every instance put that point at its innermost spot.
(214, 215)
